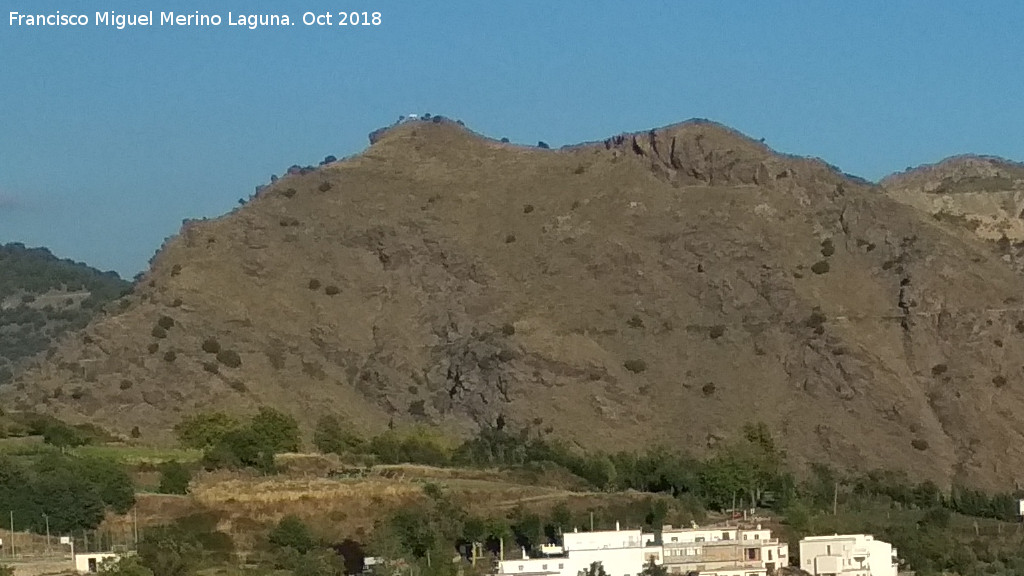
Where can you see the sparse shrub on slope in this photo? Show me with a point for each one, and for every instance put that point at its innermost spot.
(229, 358)
(635, 366)
(211, 346)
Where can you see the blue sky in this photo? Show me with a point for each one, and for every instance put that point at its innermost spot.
(108, 138)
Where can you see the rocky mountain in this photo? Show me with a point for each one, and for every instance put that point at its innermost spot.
(42, 297)
(662, 287)
(981, 194)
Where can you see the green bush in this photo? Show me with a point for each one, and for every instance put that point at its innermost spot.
(330, 436)
(63, 436)
(174, 478)
(165, 322)
(820, 267)
(291, 532)
(169, 551)
(205, 429)
(276, 430)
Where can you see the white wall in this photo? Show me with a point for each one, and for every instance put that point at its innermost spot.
(601, 539)
(82, 560)
(822, 554)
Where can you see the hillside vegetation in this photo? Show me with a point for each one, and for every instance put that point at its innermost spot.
(663, 287)
(42, 297)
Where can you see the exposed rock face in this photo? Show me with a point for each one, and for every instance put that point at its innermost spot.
(660, 287)
(982, 193)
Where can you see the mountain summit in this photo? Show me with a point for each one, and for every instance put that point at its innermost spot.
(665, 286)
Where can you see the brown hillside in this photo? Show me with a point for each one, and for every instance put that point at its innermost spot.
(666, 287)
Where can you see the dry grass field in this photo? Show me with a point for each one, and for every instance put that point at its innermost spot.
(246, 505)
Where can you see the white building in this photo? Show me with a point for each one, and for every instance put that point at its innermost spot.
(728, 551)
(848, 555)
(621, 552)
(89, 563)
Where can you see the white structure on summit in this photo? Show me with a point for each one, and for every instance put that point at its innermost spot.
(848, 555)
(727, 551)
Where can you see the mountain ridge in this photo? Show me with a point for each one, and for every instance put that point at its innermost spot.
(664, 286)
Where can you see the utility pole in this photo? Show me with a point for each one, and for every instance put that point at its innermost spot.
(12, 534)
(835, 499)
(47, 519)
(591, 520)
(135, 525)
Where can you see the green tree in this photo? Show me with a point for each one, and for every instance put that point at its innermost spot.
(330, 436)
(111, 480)
(291, 532)
(69, 502)
(527, 528)
(6, 570)
(652, 569)
(174, 478)
(743, 469)
(276, 430)
(63, 436)
(595, 569)
(169, 552)
(124, 566)
(205, 429)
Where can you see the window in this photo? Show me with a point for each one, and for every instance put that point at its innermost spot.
(757, 536)
(520, 567)
(751, 553)
(769, 555)
(543, 566)
(725, 535)
(561, 565)
(828, 550)
(675, 539)
(92, 565)
(698, 539)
